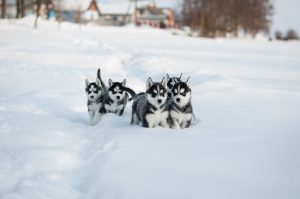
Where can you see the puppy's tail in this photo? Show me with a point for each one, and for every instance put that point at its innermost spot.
(104, 87)
(131, 92)
(138, 96)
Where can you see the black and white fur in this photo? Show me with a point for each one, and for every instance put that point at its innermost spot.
(95, 98)
(117, 97)
(95, 92)
(104, 87)
(151, 108)
(181, 111)
(171, 81)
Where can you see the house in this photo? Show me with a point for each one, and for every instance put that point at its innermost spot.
(118, 13)
(115, 13)
(92, 13)
(156, 17)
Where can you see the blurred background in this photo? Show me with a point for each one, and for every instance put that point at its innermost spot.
(274, 19)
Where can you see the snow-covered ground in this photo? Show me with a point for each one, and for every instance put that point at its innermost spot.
(245, 93)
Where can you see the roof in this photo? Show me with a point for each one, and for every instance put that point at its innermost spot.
(116, 8)
(112, 7)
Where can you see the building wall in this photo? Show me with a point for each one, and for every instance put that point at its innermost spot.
(90, 15)
(114, 20)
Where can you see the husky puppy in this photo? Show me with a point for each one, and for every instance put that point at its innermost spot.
(181, 111)
(151, 108)
(95, 98)
(170, 83)
(117, 97)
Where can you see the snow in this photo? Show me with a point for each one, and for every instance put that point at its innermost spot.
(245, 94)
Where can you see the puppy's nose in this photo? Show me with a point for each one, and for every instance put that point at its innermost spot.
(178, 100)
(159, 101)
(118, 97)
(92, 96)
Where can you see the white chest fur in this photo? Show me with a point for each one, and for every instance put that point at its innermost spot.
(94, 113)
(94, 107)
(181, 118)
(113, 107)
(156, 118)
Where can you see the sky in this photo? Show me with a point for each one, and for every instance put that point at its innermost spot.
(286, 15)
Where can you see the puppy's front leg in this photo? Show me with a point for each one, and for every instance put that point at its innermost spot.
(175, 124)
(91, 115)
(96, 118)
(165, 124)
(186, 124)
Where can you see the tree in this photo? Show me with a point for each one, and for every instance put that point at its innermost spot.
(38, 8)
(17, 8)
(20, 8)
(278, 35)
(217, 18)
(22, 4)
(291, 35)
(59, 16)
(3, 8)
(48, 4)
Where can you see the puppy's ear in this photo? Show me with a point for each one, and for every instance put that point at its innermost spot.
(168, 77)
(164, 82)
(188, 82)
(124, 82)
(98, 74)
(149, 83)
(98, 82)
(110, 82)
(86, 83)
(180, 76)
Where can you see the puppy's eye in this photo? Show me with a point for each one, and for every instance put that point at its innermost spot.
(153, 95)
(121, 92)
(96, 91)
